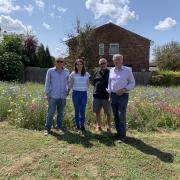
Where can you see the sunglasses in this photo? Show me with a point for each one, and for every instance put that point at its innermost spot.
(102, 63)
(79, 64)
(59, 61)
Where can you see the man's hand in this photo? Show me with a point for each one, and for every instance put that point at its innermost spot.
(47, 97)
(110, 99)
(68, 92)
(121, 91)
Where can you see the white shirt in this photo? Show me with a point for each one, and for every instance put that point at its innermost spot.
(120, 78)
(79, 82)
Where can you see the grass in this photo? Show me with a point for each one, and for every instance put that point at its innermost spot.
(27, 154)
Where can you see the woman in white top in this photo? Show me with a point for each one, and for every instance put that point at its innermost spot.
(79, 82)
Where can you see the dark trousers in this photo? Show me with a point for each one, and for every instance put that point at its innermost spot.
(119, 106)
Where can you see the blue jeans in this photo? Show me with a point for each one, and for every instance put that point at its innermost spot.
(79, 100)
(54, 104)
(119, 106)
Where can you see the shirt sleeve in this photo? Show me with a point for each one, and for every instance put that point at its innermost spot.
(88, 75)
(131, 81)
(47, 82)
(71, 80)
(109, 84)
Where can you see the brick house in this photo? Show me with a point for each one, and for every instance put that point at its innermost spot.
(111, 39)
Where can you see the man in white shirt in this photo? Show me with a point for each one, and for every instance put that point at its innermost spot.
(121, 81)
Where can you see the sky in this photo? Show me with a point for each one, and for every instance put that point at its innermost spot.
(52, 20)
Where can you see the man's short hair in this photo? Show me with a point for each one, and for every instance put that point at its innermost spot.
(102, 59)
(59, 58)
(117, 56)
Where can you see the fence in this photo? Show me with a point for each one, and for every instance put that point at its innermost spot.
(36, 74)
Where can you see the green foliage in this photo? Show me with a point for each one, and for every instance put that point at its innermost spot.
(84, 40)
(167, 56)
(29, 51)
(149, 108)
(12, 43)
(166, 78)
(27, 47)
(44, 57)
(11, 67)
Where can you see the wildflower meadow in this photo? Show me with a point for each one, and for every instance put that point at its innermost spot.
(149, 108)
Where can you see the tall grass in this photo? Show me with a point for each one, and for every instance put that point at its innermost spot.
(149, 108)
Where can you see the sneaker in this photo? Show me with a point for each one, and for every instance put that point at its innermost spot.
(47, 131)
(98, 129)
(109, 130)
(78, 129)
(121, 140)
(83, 129)
(61, 132)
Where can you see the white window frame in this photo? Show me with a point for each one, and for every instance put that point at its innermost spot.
(101, 48)
(112, 44)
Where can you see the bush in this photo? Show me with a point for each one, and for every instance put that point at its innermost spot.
(11, 67)
(166, 78)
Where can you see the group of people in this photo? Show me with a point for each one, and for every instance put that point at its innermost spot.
(110, 93)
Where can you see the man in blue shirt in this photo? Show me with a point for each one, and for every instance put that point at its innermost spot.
(56, 89)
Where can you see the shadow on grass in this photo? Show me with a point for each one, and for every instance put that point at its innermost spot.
(85, 139)
(147, 149)
(104, 138)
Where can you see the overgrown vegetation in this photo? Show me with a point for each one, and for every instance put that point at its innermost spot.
(150, 108)
(166, 78)
(82, 40)
(167, 57)
(28, 51)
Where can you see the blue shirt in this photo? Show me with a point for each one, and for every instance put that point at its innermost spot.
(56, 83)
(120, 78)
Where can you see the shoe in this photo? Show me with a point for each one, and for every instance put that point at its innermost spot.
(109, 130)
(60, 131)
(83, 129)
(78, 129)
(121, 140)
(98, 129)
(47, 132)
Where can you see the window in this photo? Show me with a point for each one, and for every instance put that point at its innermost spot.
(113, 48)
(101, 49)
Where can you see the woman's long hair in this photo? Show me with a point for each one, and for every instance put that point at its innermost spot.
(83, 71)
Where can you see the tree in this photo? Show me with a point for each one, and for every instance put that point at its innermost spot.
(84, 39)
(30, 45)
(12, 43)
(11, 67)
(41, 55)
(167, 57)
(48, 59)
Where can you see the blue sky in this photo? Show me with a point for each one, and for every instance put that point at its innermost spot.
(52, 20)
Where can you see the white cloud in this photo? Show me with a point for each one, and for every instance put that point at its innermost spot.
(118, 10)
(166, 24)
(40, 4)
(7, 6)
(13, 25)
(47, 26)
(61, 9)
(29, 9)
(52, 15)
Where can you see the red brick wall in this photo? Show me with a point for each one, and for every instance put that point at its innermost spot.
(134, 48)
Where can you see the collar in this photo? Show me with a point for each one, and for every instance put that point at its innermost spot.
(122, 67)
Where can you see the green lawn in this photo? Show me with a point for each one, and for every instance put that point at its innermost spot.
(27, 154)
